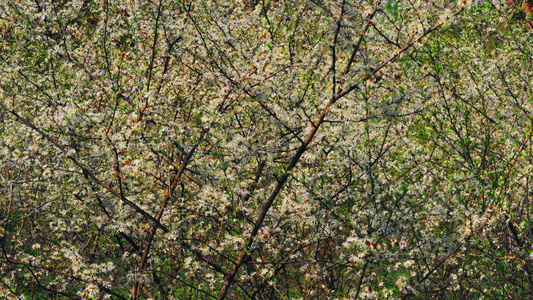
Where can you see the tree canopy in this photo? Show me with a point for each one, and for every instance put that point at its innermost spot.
(265, 149)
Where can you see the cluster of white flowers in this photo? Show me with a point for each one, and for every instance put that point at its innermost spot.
(203, 142)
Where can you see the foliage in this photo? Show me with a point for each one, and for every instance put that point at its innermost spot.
(180, 149)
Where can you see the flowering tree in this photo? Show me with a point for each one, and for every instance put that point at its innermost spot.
(180, 149)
